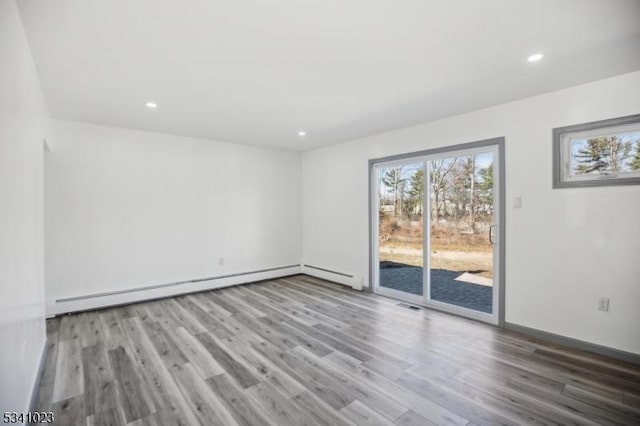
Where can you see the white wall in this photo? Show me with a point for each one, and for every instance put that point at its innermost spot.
(565, 247)
(23, 125)
(128, 209)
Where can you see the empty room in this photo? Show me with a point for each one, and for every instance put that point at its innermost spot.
(411, 212)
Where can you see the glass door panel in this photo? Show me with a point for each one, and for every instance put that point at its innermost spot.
(400, 228)
(461, 252)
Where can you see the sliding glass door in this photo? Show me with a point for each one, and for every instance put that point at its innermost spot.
(436, 219)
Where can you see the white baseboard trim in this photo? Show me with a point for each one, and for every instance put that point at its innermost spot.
(331, 275)
(141, 294)
(35, 387)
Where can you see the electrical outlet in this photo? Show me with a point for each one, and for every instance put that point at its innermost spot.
(221, 261)
(603, 304)
(517, 202)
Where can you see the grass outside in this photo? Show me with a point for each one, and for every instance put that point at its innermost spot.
(477, 262)
(451, 249)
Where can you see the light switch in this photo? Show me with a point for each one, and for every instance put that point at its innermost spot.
(517, 202)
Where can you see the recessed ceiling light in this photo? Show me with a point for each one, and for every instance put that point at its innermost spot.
(151, 105)
(535, 57)
(302, 133)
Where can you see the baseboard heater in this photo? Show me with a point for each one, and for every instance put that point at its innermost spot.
(317, 268)
(158, 291)
(332, 275)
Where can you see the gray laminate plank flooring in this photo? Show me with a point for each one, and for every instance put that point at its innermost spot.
(299, 350)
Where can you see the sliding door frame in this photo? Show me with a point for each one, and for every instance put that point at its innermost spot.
(423, 156)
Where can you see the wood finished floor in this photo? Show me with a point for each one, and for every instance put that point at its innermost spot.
(301, 351)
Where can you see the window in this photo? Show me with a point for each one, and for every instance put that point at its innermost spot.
(596, 154)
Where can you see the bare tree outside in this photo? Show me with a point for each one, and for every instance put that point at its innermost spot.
(461, 199)
(603, 155)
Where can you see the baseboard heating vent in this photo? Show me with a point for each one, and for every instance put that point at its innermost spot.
(327, 270)
(412, 307)
(177, 283)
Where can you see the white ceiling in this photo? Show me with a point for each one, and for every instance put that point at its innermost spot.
(257, 72)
